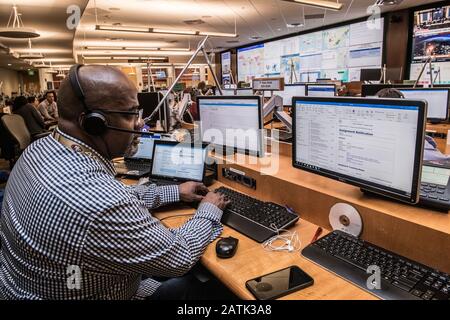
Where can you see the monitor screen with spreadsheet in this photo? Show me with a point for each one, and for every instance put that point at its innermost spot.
(375, 144)
(320, 90)
(232, 122)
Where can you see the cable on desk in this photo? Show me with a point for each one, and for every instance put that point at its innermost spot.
(177, 215)
(291, 241)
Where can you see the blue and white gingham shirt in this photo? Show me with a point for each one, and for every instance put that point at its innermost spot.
(63, 209)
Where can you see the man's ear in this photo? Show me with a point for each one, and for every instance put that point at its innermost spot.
(81, 118)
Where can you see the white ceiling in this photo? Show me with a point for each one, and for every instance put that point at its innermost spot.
(262, 18)
(48, 17)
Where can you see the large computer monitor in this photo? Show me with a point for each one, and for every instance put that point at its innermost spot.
(370, 74)
(232, 122)
(320, 90)
(371, 90)
(437, 98)
(375, 144)
(149, 101)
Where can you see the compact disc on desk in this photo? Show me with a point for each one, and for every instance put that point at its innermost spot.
(345, 218)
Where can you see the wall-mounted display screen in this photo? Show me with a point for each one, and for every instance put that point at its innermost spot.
(431, 37)
(226, 67)
(335, 53)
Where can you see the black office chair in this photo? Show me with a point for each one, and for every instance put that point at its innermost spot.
(17, 129)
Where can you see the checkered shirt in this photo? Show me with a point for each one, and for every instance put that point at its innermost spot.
(69, 230)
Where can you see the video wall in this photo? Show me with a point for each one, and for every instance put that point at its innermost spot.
(336, 53)
(431, 37)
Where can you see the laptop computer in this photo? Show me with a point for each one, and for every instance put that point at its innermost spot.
(140, 163)
(175, 162)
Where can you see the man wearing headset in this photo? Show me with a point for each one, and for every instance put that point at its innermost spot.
(69, 230)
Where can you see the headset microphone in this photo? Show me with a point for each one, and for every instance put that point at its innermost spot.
(126, 130)
(94, 122)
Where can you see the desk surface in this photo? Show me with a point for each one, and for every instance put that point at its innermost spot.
(252, 260)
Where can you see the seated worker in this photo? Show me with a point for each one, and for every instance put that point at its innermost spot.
(33, 119)
(430, 152)
(70, 230)
(48, 107)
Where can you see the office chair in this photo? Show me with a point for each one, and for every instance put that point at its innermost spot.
(16, 127)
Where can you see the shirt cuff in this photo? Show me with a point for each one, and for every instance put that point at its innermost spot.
(209, 211)
(169, 194)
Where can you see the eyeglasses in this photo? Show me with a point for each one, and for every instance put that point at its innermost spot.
(137, 113)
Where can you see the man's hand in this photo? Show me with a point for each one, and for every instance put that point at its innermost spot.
(192, 191)
(216, 199)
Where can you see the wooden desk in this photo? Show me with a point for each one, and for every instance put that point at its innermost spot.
(418, 233)
(252, 260)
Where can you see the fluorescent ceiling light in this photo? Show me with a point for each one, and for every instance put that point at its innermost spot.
(122, 58)
(329, 5)
(163, 31)
(134, 48)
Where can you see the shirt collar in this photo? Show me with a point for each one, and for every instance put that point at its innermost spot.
(90, 152)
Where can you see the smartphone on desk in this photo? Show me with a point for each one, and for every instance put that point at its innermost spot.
(279, 283)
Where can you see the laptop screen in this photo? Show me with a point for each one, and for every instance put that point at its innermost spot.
(145, 148)
(178, 161)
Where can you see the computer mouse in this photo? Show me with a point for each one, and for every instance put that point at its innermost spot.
(226, 247)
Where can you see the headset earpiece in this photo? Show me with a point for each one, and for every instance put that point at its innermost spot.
(94, 123)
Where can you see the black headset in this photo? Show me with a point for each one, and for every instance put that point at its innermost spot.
(94, 122)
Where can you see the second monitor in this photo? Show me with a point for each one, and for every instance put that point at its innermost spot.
(232, 122)
(437, 99)
(320, 90)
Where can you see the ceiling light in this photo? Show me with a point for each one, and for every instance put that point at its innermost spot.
(134, 48)
(9, 64)
(17, 30)
(30, 54)
(163, 31)
(323, 4)
(295, 25)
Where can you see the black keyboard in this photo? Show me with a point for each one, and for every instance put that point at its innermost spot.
(134, 166)
(401, 278)
(256, 219)
(435, 196)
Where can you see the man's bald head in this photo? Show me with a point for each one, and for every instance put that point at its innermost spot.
(104, 87)
(108, 89)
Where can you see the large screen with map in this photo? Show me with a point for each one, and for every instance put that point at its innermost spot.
(336, 53)
(431, 37)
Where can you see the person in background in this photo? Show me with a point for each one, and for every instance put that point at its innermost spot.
(431, 151)
(33, 100)
(48, 107)
(28, 112)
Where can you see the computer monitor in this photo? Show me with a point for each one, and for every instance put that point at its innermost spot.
(320, 90)
(177, 161)
(244, 91)
(232, 122)
(437, 99)
(290, 91)
(370, 74)
(145, 148)
(375, 144)
(371, 90)
(149, 101)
